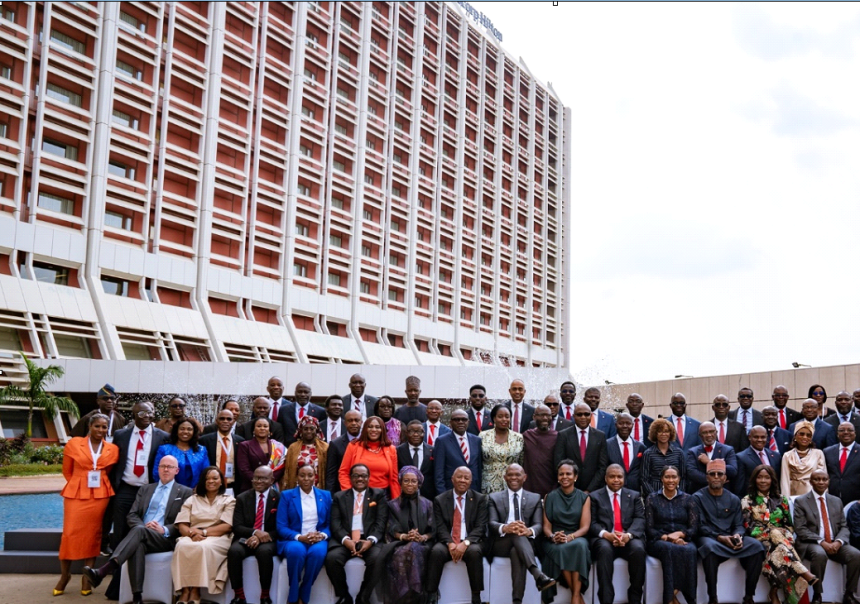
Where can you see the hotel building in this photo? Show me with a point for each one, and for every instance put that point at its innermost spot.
(376, 183)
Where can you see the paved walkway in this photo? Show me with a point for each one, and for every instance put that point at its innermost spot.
(23, 485)
(36, 589)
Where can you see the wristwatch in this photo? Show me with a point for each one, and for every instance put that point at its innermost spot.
(204, 532)
(467, 542)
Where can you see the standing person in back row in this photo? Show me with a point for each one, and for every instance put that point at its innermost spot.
(587, 447)
(521, 412)
(600, 420)
(357, 398)
(291, 413)
(413, 409)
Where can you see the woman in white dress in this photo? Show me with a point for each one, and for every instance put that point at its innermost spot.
(801, 461)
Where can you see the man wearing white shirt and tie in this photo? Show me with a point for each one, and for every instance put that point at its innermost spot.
(845, 412)
(434, 428)
(698, 457)
(567, 393)
(275, 388)
(332, 427)
(843, 464)
(357, 398)
(745, 414)
(686, 428)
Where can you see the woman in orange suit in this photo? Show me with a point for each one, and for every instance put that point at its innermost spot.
(373, 449)
(86, 463)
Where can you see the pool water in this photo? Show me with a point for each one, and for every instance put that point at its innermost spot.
(30, 511)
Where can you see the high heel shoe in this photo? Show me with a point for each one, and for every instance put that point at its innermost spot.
(58, 592)
(86, 592)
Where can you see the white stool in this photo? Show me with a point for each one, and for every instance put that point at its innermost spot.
(500, 584)
(321, 593)
(731, 579)
(620, 582)
(833, 585)
(157, 582)
(251, 579)
(454, 587)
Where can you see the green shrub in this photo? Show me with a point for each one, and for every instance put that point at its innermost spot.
(29, 469)
(20, 451)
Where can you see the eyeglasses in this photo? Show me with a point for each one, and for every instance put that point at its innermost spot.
(818, 393)
(678, 404)
(777, 395)
(145, 414)
(177, 406)
(721, 404)
(745, 396)
(716, 474)
(583, 414)
(107, 398)
(224, 419)
(459, 419)
(164, 467)
(551, 404)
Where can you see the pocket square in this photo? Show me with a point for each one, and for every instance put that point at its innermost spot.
(371, 504)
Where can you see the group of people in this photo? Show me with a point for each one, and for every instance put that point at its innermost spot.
(560, 481)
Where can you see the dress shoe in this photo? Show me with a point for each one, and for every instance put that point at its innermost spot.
(816, 600)
(93, 575)
(749, 600)
(265, 600)
(239, 601)
(344, 600)
(849, 598)
(543, 582)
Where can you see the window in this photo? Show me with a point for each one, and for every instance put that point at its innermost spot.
(372, 75)
(365, 251)
(311, 75)
(127, 20)
(119, 169)
(304, 190)
(395, 226)
(15, 423)
(334, 279)
(364, 287)
(60, 149)
(367, 214)
(114, 286)
(371, 109)
(59, 93)
(7, 14)
(340, 129)
(128, 70)
(393, 260)
(49, 273)
(67, 42)
(311, 39)
(301, 229)
(342, 93)
(368, 179)
(55, 203)
(395, 191)
(335, 241)
(398, 125)
(124, 119)
(370, 144)
(419, 268)
(300, 270)
(339, 166)
(117, 220)
(343, 56)
(5, 72)
(4, 130)
(307, 112)
(306, 151)
(392, 295)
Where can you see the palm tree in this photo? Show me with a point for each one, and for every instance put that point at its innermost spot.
(35, 395)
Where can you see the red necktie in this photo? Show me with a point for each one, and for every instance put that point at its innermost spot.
(594, 419)
(464, 449)
(636, 429)
(825, 520)
(680, 432)
(516, 426)
(274, 415)
(626, 458)
(301, 413)
(763, 458)
(617, 507)
(139, 470)
(258, 519)
(772, 442)
(432, 436)
(842, 459)
(722, 433)
(222, 465)
(478, 419)
(333, 431)
(568, 414)
(782, 418)
(582, 446)
(458, 520)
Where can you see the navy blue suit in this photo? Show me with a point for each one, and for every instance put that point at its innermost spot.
(696, 478)
(606, 423)
(441, 431)
(448, 457)
(782, 438)
(748, 460)
(644, 426)
(300, 556)
(824, 436)
(845, 485)
(691, 432)
(616, 455)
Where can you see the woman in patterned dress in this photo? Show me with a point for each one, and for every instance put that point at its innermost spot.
(501, 447)
(394, 428)
(309, 450)
(768, 519)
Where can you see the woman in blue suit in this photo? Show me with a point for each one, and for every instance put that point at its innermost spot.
(303, 528)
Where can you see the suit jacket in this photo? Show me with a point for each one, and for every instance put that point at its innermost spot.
(324, 424)
(443, 430)
(845, 485)
(531, 513)
(691, 431)
(591, 473)
(807, 520)
(210, 428)
(558, 423)
(783, 439)
(368, 401)
(288, 422)
(248, 457)
(246, 431)
(736, 415)
(606, 423)
(122, 438)
(334, 457)
(486, 422)
(374, 515)
(854, 418)
(644, 426)
(448, 458)
(791, 416)
(616, 455)
(748, 460)
(212, 441)
(476, 512)
(177, 496)
(736, 435)
(603, 513)
(825, 435)
(290, 516)
(245, 514)
(528, 412)
(695, 470)
(404, 458)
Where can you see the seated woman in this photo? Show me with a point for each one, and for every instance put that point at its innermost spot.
(261, 450)
(309, 450)
(801, 461)
(767, 518)
(304, 514)
(671, 522)
(373, 449)
(191, 456)
(394, 428)
(566, 520)
(408, 541)
(205, 524)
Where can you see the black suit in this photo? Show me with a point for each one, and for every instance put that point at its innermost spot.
(644, 426)
(791, 416)
(141, 540)
(843, 484)
(212, 442)
(246, 431)
(748, 460)
(604, 553)
(477, 518)
(527, 413)
(592, 472)
(404, 458)
(368, 403)
(737, 415)
(486, 422)
(834, 420)
(519, 549)
(334, 457)
(736, 435)
(326, 424)
(244, 516)
(558, 424)
(288, 422)
(374, 516)
(695, 470)
(616, 455)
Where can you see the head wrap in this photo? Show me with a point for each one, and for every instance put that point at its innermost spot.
(718, 465)
(411, 470)
(805, 424)
(106, 390)
(306, 420)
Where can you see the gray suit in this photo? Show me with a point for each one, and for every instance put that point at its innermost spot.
(141, 540)
(807, 524)
(518, 548)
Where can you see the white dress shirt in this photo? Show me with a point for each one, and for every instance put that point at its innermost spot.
(611, 494)
(420, 450)
(330, 425)
(825, 519)
(363, 405)
(725, 424)
(264, 495)
(309, 511)
(511, 515)
(128, 476)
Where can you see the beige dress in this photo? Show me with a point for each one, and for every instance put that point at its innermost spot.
(203, 563)
(796, 471)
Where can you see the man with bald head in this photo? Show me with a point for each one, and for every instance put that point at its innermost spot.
(521, 412)
(843, 464)
(825, 435)
(586, 446)
(697, 458)
(600, 419)
(293, 411)
(745, 414)
(753, 456)
(221, 446)
(557, 423)
(357, 398)
(845, 412)
(261, 407)
(729, 432)
(785, 416)
(641, 422)
(275, 388)
(686, 428)
(626, 451)
(777, 438)
(455, 449)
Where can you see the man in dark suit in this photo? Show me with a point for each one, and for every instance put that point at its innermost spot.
(221, 446)
(785, 416)
(358, 518)
(275, 388)
(777, 438)
(686, 428)
(479, 415)
(752, 457)
(843, 464)
(357, 398)
(557, 423)
(729, 432)
(516, 519)
(845, 412)
(567, 394)
(600, 419)
(626, 451)
(617, 534)
(231, 406)
(449, 454)
(255, 533)
(521, 412)
(745, 414)
(414, 452)
(819, 542)
(152, 529)
(336, 448)
(292, 411)
(641, 423)
(697, 459)
(333, 426)
(571, 443)
(461, 519)
(433, 427)
(261, 408)
(825, 435)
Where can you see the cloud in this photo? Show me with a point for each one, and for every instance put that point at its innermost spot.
(799, 115)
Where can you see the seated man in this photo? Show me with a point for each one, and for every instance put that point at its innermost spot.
(461, 519)
(817, 541)
(151, 519)
(516, 518)
(617, 531)
(721, 533)
(358, 519)
(255, 524)
(698, 457)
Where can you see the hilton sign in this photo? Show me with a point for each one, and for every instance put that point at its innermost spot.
(481, 18)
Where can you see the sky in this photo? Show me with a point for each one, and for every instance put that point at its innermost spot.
(715, 180)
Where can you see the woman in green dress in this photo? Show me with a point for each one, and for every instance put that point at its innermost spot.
(768, 519)
(566, 519)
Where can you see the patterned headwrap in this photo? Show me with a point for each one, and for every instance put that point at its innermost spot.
(411, 470)
(805, 424)
(309, 419)
(107, 390)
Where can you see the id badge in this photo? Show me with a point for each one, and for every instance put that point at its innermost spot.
(94, 479)
(140, 459)
(109, 439)
(228, 470)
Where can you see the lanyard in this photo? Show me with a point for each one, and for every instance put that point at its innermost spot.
(227, 451)
(95, 454)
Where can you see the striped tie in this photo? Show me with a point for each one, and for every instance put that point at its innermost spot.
(464, 449)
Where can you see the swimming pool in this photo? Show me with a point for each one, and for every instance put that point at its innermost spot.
(30, 511)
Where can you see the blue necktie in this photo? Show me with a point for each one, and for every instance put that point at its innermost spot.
(155, 505)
